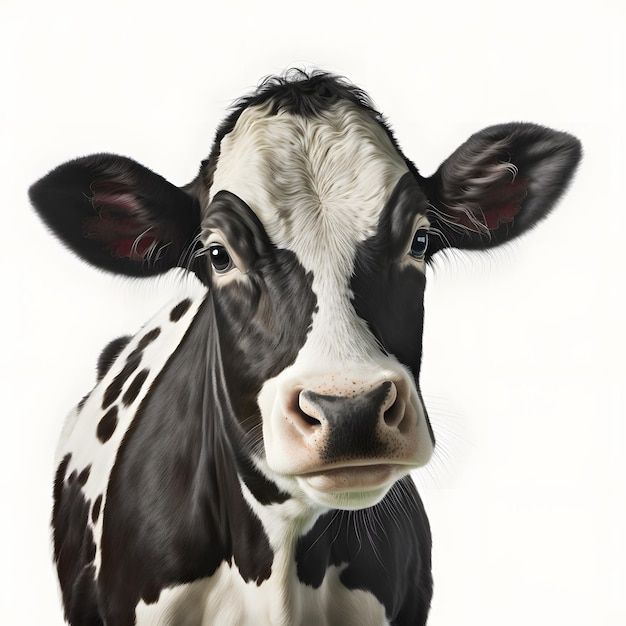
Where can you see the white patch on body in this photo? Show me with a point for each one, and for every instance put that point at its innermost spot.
(79, 433)
(282, 600)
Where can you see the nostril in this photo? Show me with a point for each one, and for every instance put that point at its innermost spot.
(393, 407)
(309, 419)
(394, 414)
(301, 413)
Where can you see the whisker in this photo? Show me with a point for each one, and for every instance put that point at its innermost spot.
(332, 519)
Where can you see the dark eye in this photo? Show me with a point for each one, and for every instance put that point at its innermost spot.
(220, 259)
(419, 244)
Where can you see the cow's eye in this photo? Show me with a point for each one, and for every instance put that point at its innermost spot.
(419, 244)
(220, 259)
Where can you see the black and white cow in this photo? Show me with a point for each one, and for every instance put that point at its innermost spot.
(244, 458)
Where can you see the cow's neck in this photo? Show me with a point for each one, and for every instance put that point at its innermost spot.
(236, 487)
(179, 474)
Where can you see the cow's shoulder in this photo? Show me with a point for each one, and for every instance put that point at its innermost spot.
(92, 435)
(119, 384)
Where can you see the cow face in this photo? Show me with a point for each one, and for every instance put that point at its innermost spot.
(312, 231)
(329, 330)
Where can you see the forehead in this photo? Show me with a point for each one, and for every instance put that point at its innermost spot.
(307, 177)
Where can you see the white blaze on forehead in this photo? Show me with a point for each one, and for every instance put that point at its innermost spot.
(318, 185)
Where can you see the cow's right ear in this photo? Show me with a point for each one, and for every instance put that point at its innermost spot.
(117, 214)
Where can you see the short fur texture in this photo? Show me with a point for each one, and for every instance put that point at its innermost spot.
(220, 471)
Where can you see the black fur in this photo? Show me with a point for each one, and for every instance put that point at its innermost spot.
(118, 214)
(114, 389)
(107, 424)
(75, 199)
(95, 509)
(180, 309)
(385, 550)
(110, 354)
(507, 177)
(130, 395)
(148, 338)
(388, 290)
(255, 341)
(82, 401)
(174, 508)
(74, 548)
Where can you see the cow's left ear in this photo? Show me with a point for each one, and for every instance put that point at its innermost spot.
(499, 183)
(117, 214)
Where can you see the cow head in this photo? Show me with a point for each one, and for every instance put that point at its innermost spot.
(313, 231)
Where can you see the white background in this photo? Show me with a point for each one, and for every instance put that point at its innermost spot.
(524, 347)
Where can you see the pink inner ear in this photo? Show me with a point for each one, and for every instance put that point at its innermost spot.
(120, 222)
(129, 249)
(503, 215)
(503, 204)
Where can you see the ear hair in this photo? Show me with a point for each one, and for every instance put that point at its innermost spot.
(117, 214)
(499, 183)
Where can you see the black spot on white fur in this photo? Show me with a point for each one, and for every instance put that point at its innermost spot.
(110, 354)
(83, 476)
(95, 509)
(175, 509)
(107, 424)
(180, 309)
(135, 387)
(148, 338)
(112, 392)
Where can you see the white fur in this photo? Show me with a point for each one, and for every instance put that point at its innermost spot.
(319, 185)
(79, 434)
(225, 599)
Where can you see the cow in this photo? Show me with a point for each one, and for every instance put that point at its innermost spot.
(245, 457)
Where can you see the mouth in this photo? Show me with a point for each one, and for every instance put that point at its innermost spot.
(351, 478)
(350, 487)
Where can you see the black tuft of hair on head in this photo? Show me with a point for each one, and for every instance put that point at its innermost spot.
(299, 92)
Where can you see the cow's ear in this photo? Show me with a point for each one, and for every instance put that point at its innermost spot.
(117, 214)
(499, 183)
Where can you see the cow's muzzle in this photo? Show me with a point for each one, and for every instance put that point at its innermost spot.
(347, 441)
